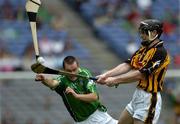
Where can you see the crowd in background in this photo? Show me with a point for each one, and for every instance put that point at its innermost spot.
(110, 12)
(16, 49)
(122, 14)
(126, 15)
(105, 12)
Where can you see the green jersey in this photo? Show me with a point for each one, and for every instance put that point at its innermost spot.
(78, 109)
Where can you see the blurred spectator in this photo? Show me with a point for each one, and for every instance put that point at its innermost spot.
(78, 4)
(117, 8)
(177, 60)
(51, 47)
(101, 20)
(106, 11)
(58, 22)
(6, 60)
(45, 46)
(20, 12)
(133, 17)
(131, 47)
(58, 47)
(102, 7)
(9, 33)
(8, 10)
(129, 14)
(39, 23)
(28, 56)
(68, 44)
(144, 4)
(168, 27)
(29, 51)
(44, 15)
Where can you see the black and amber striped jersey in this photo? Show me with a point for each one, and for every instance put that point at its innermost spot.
(152, 62)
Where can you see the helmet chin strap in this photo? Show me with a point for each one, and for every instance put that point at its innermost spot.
(150, 36)
(151, 39)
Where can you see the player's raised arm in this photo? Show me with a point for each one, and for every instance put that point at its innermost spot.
(120, 69)
(129, 77)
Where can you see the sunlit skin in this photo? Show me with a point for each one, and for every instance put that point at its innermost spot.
(144, 36)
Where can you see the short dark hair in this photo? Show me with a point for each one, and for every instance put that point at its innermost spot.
(69, 60)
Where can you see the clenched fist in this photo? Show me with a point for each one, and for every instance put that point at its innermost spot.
(39, 77)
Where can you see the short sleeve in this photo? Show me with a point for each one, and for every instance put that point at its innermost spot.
(156, 61)
(128, 61)
(90, 84)
(61, 86)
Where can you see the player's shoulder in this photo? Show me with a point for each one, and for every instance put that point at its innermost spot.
(84, 71)
(160, 49)
(60, 77)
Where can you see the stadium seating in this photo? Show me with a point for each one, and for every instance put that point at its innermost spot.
(27, 100)
(117, 37)
(15, 38)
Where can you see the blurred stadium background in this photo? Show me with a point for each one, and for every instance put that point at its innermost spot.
(100, 33)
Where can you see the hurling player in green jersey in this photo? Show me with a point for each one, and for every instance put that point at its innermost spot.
(78, 94)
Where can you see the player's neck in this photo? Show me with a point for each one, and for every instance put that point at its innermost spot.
(153, 43)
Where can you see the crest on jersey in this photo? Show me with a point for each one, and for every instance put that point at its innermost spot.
(156, 64)
(91, 82)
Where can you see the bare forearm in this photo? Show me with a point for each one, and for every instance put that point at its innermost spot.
(87, 97)
(50, 82)
(120, 69)
(131, 76)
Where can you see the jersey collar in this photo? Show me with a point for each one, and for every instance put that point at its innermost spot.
(158, 44)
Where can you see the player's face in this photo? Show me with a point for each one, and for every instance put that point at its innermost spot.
(144, 36)
(72, 68)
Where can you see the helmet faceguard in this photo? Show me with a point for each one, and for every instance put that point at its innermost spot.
(147, 26)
